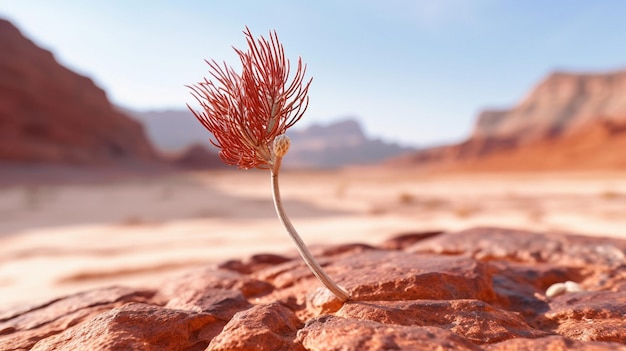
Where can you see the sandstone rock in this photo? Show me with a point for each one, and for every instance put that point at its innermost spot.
(594, 146)
(202, 279)
(198, 157)
(553, 343)
(476, 320)
(487, 123)
(135, 326)
(49, 114)
(590, 316)
(336, 333)
(221, 303)
(560, 104)
(570, 121)
(263, 327)
(401, 241)
(479, 289)
(20, 329)
(488, 244)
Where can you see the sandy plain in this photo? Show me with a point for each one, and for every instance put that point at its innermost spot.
(69, 236)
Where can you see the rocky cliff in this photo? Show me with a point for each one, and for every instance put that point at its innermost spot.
(561, 104)
(569, 121)
(49, 114)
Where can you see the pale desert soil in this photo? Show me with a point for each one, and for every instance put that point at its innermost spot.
(58, 239)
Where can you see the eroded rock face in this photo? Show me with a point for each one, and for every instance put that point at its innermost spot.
(49, 114)
(480, 289)
(561, 103)
(569, 121)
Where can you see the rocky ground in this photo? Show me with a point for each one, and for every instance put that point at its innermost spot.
(479, 289)
(84, 232)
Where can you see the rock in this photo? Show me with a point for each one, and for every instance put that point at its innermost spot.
(488, 122)
(335, 333)
(478, 289)
(570, 121)
(198, 157)
(221, 303)
(560, 104)
(270, 327)
(202, 279)
(590, 316)
(136, 325)
(21, 329)
(490, 244)
(476, 320)
(553, 343)
(49, 114)
(337, 144)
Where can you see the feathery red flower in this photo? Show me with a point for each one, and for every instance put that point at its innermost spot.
(245, 112)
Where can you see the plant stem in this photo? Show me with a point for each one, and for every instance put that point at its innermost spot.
(310, 261)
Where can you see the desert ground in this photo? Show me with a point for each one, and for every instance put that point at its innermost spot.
(69, 236)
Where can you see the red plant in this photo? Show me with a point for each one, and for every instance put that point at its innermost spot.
(246, 112)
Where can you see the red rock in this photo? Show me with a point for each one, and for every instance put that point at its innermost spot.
(570, 121)
(477, 289)
(487, 244)
(137, 326)
(553, 343)
(375, 275)
(221, 303)
(22, 328)
(330, 333)
(206, 278)
(388, 275)
(265, 327)
(590, 316)
(254, 263)
(49, 114)
(476, 320)
(561, 103)
(402, 241)
(198, 157)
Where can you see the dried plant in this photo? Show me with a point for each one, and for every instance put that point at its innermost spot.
(248, 114)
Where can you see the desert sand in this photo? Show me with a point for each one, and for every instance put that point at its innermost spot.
(61, 238)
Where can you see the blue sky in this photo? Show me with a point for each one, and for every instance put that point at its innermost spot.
(417, 72)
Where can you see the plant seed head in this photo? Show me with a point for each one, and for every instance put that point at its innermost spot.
(246, 110)
(281, 145)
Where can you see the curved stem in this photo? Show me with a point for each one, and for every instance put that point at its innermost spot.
(310, 261)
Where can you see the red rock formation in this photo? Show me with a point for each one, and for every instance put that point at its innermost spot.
(569, 122)
(198, 157)
(563, 103)
(600, 145)
(479, 289)
(49, 114)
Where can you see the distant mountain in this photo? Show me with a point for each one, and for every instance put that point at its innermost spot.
(172, 130)
(49, 114)
(337, 144)
(561, 104)
(197, 157)
(569, 121)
